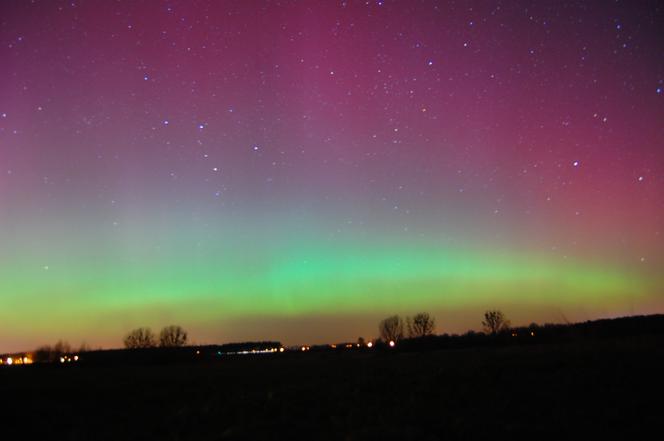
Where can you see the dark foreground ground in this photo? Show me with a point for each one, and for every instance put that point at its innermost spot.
(612, 388)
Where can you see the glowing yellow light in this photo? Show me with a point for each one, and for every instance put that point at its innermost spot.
(392, 343)
(62, 359)
(370, 345)
(304, 348)
(198, 352)
(532, 334)
(281, 349)
(27, 360)
(9, 360)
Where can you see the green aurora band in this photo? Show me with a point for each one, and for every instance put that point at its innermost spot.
(338, 280)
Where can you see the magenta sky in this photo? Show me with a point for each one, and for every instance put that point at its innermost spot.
(296, 165)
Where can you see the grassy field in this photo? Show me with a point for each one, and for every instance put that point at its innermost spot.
(607, 388)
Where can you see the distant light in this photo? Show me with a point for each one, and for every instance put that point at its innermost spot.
(62, 359)
(304, 348)
(166, 122)
(392, 343)
(370, 345)
(641, 178)
(532, 334)
(281, 349)
(198, 352)
(75, 357)
(575, 163)
(9, 360)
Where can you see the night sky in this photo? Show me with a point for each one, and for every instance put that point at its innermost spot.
(298, 170)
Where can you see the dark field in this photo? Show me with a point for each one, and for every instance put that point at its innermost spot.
(610, 388)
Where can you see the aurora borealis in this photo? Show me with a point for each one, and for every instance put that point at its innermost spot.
(297, 170)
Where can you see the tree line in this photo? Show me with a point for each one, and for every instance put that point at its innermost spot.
(394, 328)
(172, 336)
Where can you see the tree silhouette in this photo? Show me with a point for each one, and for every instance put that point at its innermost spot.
(44, 354)
(172, 336)
(421, 325)
(495, 322)
(62, 347)
(391, 329)
(140, 338)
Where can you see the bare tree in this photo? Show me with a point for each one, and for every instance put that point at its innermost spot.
(421, 325)
(62, 347)
(495, 322)
(140, 338)
(172, 336)
(44, 354)
(391, 329)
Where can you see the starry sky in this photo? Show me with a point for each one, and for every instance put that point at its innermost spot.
(298, 170)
